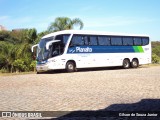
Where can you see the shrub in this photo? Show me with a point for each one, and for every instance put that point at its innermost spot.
(155, 58)
(19, 65)
(33, 66)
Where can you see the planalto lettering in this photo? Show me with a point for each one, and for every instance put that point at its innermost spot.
(87, 49)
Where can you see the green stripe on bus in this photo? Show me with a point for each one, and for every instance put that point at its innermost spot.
(138, 49)
(135, 49)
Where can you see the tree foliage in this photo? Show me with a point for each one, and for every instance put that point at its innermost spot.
(155, 58)
(15, 53)
(156, 52)
(65, 23)
(19, 65)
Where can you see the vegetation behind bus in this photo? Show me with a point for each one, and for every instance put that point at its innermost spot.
(156, 52)
(15, 46)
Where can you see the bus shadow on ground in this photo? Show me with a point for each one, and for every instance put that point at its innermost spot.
(90, 69)
(100, 69)
(108, 68)
(83, 70)
(119, 112)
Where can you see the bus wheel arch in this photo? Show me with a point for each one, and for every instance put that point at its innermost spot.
(135, 63)
(126, 63)
(71, 66)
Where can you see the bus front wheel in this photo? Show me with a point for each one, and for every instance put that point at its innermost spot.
(126, 63)
(70, 67)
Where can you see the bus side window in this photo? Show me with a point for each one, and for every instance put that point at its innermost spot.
(77, 40)
(104, 40)
(116, 40)
(137, 41)
(85, 39)
(63, 38)
(93, 40)
(127, 41)
(56, 49)
(59, 37)
(145, 41)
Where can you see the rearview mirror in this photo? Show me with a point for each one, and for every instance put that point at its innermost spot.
(50, 42)
(32, 48)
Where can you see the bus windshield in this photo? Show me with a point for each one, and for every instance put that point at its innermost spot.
(55, 49)
(42, 52)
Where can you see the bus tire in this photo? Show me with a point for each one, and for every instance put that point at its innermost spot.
(134, 63)
(126, 63)
(38, 72)
(70, 66)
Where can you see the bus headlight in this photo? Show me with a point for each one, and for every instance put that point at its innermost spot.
(53, 60)
(49, 61)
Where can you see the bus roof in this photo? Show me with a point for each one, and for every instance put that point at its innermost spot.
(85, 32)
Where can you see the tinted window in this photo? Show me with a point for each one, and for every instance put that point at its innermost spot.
(85, 39)
(116, 40)
(137, 41)
(103, 40)
(63, 38)
(77, 41)
(127, 41)
(93, 40)
(145, 41)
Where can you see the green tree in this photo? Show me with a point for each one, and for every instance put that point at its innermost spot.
(155, 58)
(7, 55)
(15, 50)
(19, 65)
(155, 44)
(31, 35)
(33, 65)
(156, 50)
(65, 23)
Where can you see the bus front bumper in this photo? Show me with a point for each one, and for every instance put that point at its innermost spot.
(41, 68)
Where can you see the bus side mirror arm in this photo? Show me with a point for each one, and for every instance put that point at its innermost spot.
(50, 42)
(33, 47)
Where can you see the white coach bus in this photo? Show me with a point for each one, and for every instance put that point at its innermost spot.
(72, 49)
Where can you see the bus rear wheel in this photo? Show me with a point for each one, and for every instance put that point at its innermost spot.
(70, 67)
(126, 63)
(134, 63)
(39, 72)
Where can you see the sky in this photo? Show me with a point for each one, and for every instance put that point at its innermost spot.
(124, 16)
